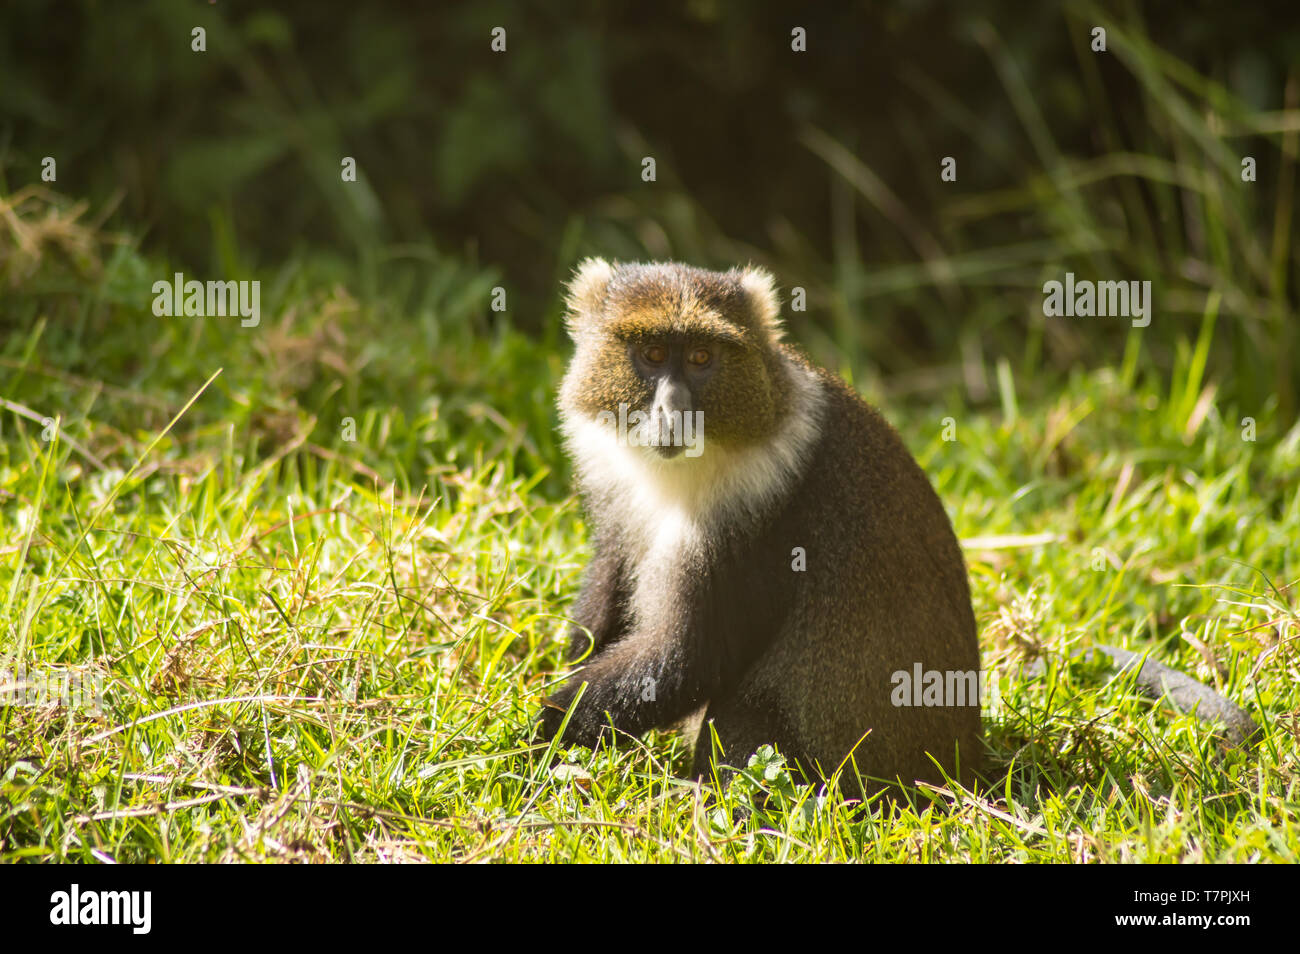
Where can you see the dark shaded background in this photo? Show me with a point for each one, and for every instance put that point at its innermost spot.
(525, 161)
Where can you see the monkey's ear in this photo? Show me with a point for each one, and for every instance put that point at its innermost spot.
(760, 289)
(586, 291)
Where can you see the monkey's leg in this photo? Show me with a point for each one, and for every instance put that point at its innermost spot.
(741, 726)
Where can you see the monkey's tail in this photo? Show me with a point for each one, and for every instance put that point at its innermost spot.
(1158, 681)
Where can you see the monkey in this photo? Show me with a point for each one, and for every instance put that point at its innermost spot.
(777, 567)
(767, 554)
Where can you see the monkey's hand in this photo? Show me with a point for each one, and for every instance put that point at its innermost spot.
(581, 730)
(548, 719)
(645, 681)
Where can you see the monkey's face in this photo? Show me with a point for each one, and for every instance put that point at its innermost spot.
(678, 395)
(676, 372)
(674, 360)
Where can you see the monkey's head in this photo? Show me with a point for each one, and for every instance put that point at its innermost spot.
(679, 361)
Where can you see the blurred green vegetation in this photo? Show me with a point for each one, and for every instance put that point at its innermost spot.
(1123, 165)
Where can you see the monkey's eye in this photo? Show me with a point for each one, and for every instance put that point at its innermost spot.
(700, 357)
(655, 354)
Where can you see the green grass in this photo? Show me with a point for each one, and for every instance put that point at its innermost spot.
(323, 649)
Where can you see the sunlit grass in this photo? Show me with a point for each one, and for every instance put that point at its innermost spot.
(323, 643)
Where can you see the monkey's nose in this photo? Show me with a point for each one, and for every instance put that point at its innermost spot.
(666, 429)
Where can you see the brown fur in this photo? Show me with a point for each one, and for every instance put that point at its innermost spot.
(885, 587)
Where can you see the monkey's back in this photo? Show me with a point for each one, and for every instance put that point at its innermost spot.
(884, 590)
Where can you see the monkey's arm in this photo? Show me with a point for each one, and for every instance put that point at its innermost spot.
(598, 611)
(651, 677)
